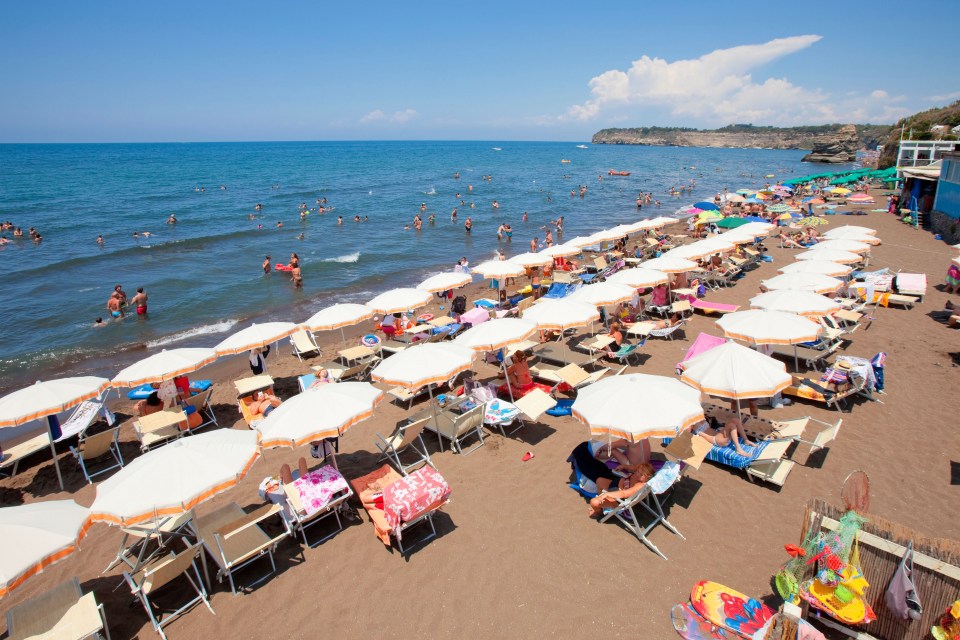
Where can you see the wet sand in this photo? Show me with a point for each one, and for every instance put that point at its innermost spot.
(516, 554)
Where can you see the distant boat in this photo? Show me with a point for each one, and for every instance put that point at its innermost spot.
(497, 149)
(617, 173)
(564, 162)
(582, 146)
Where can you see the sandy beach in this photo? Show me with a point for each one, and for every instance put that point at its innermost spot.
(516, 554)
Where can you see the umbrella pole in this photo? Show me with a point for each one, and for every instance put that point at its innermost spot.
(436, 422)
(53, 426)
(796, 360)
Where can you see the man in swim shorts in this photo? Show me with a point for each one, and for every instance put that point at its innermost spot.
(266, 264)
(140, 302)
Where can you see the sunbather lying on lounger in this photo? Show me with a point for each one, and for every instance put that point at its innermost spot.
(263, 403)
(625, 488)
(323, 377)
(787, 241)
(730, 432)
(624, 451)
(672, 321)
(519, 378)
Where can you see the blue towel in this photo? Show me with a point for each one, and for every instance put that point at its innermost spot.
(143, 391)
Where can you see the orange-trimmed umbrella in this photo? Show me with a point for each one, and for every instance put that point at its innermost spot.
(637, 406)
(166, 365)
(326, 411)
(736, 372)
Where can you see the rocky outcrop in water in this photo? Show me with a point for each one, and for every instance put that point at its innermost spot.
(838, 149)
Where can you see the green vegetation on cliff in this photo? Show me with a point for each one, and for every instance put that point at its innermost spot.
(918, 127)
(870, 135)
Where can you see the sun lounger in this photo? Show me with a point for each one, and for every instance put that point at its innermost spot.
(818, 391)
(201, 405)
(572, 374)
(159, 428)
(912, 284)
(154, 534)
(312, 499)
(668, 332)
(457, 427)
(62, 612)
(813, 358)
(162, 572)
(15, 451)
(303, 344)
(406, 437)
(714, 307)
(764, 429)
(559, 290)
(93, 447)
(234, 539)
(554, 352)
(419, 505)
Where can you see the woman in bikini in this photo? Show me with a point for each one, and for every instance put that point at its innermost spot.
(640, 474)
(730, 432)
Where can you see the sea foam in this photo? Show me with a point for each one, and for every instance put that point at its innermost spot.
(347, 257)
(218, 327)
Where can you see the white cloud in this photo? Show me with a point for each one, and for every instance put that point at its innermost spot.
(397, 117)
(947, 97)
(718, 88)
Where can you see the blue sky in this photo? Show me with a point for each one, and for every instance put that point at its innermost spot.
(211, 71)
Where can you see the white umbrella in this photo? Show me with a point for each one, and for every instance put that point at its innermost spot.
(46, 400)
(496, 334)
(669, 265)
(326, 411)
(561, 314)
(856, 236)
(175, 478)
(694, 251)
(445, 282)
(37, 535)
(736, 372)
(823, 267)
(841, 245)
(802, 303)
(754, 228)
(639, 278)
(637, 406)
(660, 221)
(606, 235)
(839, 232)
(399, 300)
(425, 364)
(338, 316)
(166, 365)
(603, 294)
(562, 250)
(256, 336)
(803, 282)
(830, 255)
(532, 259)
(499, 269)
(768, 327)
(579, 242)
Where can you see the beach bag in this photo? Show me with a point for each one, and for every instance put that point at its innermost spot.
(901, 597)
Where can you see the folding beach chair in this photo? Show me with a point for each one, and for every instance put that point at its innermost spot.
(647, 499)
(62, 612)
(146, 582)
(201, 405)
(458, 427)
(303, 344)
(302, 515)
(98, 446)
(406, 437)
(628, 351)
(159, 532)
(668, 331)
(234, 539)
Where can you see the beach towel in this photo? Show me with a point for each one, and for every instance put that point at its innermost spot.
(714, 307)
(912, 283)
(317, 487)
(665, 477)
(728, 455)
(410, 497)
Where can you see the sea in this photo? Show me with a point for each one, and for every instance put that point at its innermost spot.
(203, 274)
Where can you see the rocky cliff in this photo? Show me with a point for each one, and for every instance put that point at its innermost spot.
(836, 149)
(748, 136)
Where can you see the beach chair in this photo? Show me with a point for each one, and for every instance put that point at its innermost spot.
(573, 375)
(234, 539)
(628, 351)
(558, 290)
(406, 437)
(160, 531)
(457, 427)
(146, 582)
(246, 389)
(201, 406)
(159, 428)
(427, 493)
(16, 450)
(303, 343)
(667, 332)
(93, 447)
(818, 391)
(84, 415)
(62, 612)
(813, 355)
(303, 514)
(648, 502)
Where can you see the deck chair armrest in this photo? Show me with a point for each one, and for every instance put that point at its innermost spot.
(250, 520)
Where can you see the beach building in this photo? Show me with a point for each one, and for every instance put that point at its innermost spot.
(919, 153)
(945, 218)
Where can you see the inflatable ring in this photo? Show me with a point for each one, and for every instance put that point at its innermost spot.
(370, 340)
(425, 317)
(282, 267)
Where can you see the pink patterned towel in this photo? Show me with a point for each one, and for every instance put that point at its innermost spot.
(410, 497)
(317, 487)
(915, 283)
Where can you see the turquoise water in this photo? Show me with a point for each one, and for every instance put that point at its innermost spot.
(203, 274)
